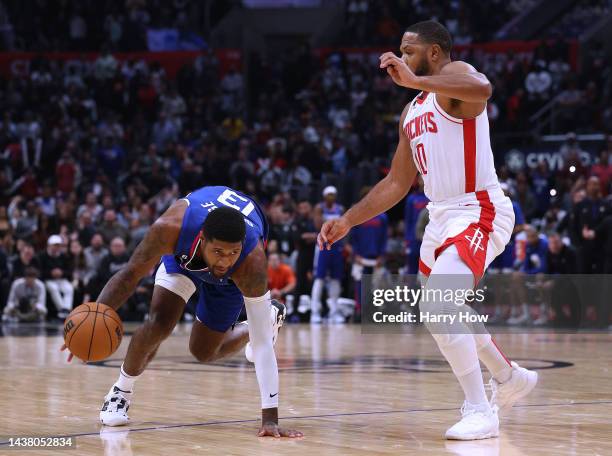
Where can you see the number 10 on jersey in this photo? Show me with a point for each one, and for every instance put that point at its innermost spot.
(421, 160)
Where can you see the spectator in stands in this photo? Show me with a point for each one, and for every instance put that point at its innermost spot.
(46, 201)
(561, 259)
(415, 203)
(304, 238)
(116, 259)
(27, 298)
(538, 84)
(5, 276)
(525, 197)
(66, 173)
(369, 245)
(94, 254)
(281, 278)
(603, 171)
(57, 273)
(588, 214)
(91, 205)
(79, 268)
(25, 221)
(24, 260)
(85, 228)
(280, 230)
(329, 263)
(529, 275)
(111, 228)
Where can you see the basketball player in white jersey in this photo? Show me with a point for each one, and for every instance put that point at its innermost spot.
(444, 135)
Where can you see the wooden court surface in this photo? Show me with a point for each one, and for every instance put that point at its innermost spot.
(349, 393)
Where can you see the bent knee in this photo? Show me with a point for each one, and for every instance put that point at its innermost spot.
(202, 354)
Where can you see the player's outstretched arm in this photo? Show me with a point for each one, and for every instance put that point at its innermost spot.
(386, 194)
(251, 278)
(159, 240)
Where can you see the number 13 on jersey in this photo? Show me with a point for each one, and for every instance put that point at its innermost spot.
(421, 160)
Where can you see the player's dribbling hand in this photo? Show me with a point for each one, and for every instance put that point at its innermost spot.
(332, 231)
(401, 73)
(272, 430)
(70, 355)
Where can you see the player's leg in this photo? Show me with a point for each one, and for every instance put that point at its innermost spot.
(510, 382)
(458, 346)
(336, 270)
(320, 272)
(170, 294)
(207, 345)
(214, 333)
(165, 312)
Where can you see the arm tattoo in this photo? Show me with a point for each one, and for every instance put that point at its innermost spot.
(121, 286)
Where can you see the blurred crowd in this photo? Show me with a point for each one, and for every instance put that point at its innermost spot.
(90, 155)
(380, 22)
(89, 25)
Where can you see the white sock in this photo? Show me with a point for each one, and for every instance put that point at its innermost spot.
(492, 357)
(459, 349)
(473, 387)
(126, 382)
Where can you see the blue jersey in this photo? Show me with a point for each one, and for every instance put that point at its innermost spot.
(201, 203)
(415, 203)
(369, 240)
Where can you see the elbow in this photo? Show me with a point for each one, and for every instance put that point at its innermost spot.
(487, 90)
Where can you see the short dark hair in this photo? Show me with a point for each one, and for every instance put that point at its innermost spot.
(432, 32)
(225, 224)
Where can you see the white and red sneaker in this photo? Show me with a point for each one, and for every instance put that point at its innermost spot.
(505, 395)
(477, 422)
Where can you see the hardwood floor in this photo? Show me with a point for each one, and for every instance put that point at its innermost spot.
(349, 393)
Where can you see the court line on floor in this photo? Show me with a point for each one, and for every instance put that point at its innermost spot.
(307, 417)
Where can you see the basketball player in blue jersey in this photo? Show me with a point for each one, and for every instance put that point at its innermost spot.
(327, 263)
(211, 241)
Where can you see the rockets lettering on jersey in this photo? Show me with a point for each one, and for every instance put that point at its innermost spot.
(453, 155)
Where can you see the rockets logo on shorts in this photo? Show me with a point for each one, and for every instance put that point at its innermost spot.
(476, 240)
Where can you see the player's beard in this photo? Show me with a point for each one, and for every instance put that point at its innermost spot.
(422, 68)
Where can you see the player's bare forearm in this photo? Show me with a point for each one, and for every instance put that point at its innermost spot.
(386, 194)
(119, 288)
(469, 87)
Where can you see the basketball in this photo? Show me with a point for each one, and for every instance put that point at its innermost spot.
(93, 331)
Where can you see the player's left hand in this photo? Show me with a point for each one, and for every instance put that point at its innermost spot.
(272, 430)
(401, 73)
(70, 355)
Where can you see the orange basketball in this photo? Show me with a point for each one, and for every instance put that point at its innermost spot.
(93, 331)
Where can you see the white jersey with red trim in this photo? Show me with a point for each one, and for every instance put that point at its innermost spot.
(453, 155)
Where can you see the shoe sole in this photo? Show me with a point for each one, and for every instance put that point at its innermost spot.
(532, 381)
(123, 423)
(490, 435)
